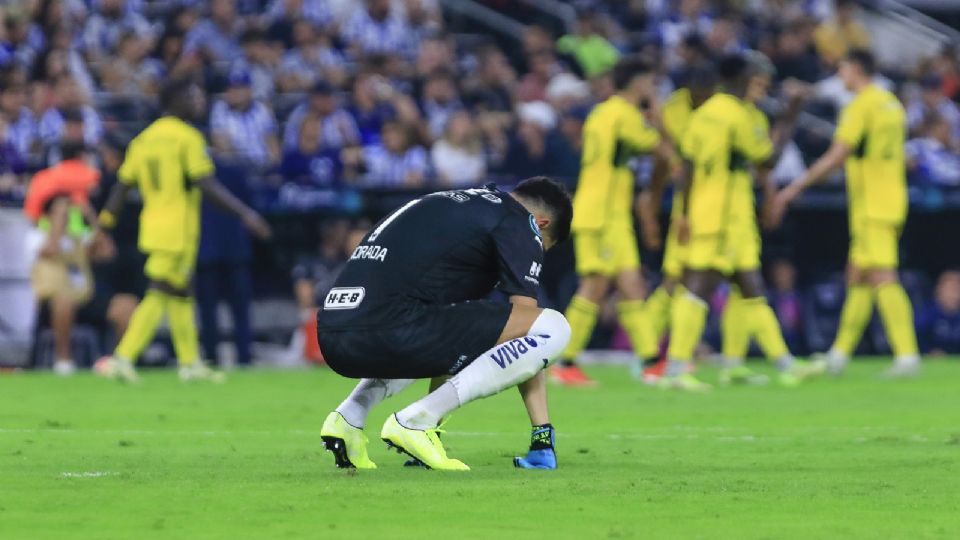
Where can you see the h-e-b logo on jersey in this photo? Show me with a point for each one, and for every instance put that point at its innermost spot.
(344, 298)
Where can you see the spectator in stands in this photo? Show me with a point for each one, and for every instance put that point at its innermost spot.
(566, 92)
(217, 38)
(242, 128)
(312, 59)
(394, 162)
(529, 152)
(493, 86)
(131, 72)
(62, 57)
(315, 12)
(337, 128)
(375, 102)
(58, 202)
(24, 40)
(533, 86)
(794, 57)
(108, 24)
(932, 158)
(458, 158)
(261, 60)
(691, 17)
(176, 64)
(938, 322)
(440, 99)
(945, 65)
(72, 112)
(434, 54)
(21, 125)
(309, 160)
(373, 30)
(723, 37)
(840, 33)
(787, 303)
(593, 53)
(931, 101)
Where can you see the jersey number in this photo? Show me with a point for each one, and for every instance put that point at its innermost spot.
(376, 232)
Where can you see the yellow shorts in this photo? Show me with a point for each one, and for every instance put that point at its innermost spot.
(173, 268)
(734, 249)
(66, 276)
(875, 244)
(674, 255)
(608, 251)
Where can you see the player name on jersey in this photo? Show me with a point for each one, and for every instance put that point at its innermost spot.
(376, 253)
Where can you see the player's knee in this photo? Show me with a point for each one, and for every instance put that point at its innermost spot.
(554, 326)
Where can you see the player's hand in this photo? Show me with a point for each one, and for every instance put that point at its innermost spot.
(683, 230)
(542, 454)
(257, 225)
(778, 206)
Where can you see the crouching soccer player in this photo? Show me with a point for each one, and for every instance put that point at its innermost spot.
(410, 305)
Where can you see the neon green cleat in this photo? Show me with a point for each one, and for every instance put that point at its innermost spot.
(686, 382)
(801, 371)
(742, 375)
(200, 371)
(117, 369)
(424, 445)
(347, 443)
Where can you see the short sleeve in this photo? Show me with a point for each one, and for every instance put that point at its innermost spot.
(753, 140)
(640, 136)
(851, 128)
(519, 256)
(197, 160)
(128, 169)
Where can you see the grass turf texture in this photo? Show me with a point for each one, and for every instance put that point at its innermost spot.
(854, 457)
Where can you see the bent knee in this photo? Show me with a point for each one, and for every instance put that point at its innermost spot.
(553, 326)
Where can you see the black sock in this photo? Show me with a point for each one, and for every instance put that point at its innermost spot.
(650, 362)
(542, 437)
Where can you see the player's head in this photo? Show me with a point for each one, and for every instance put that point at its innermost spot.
(634, 77)
(701, 81)
(183, 99)
(550, 205)
(761, 75)
(857, 69)
(734, 70)
(72, 149)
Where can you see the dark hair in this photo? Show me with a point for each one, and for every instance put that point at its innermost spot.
(173, 92)
(701, 75)
(732, 67)
(72, 149)
(864, 59)
(628, 68)
(555, 198)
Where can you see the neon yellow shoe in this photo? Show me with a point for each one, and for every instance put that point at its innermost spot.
(801, 371)
(347, 443)
(686, 383)
(742, 375)
(424, 445)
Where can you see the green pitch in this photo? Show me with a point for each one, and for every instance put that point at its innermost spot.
(851, 458)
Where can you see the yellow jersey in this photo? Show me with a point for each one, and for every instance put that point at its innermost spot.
(722, 142)
(165, 161)
(614, 132)
(874, 124)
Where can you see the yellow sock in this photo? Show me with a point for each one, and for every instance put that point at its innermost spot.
(183, 329)
(657, 311)
(143, 325)
(582, 316)
(856, 314)
(897, 315)
(688, 317)
(765, 328)
(735, 328)
(634, 319)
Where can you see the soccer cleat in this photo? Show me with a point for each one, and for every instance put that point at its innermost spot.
(833, 363)
(199, 371)
(648, 373)
(742, 375)
(420, 444)
(686, 382)
(64, 368)
(902, 369)
(570, 376)
(801, 371)
(117, 369)
(347, 443)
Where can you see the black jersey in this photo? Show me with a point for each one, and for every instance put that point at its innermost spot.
(445, 248)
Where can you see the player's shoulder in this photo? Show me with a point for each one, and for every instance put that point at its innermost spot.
(678, 99)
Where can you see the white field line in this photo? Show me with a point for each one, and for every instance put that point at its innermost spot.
(87, 474)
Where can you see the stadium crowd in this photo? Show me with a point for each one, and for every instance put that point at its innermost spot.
(374, 94)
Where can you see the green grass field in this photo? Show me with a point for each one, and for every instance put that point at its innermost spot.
(855, 457)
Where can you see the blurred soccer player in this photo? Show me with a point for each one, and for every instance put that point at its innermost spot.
(410, 305)
(870, 140)
(604, 242)
(700, 83)
(726, 136)
(169, 165)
